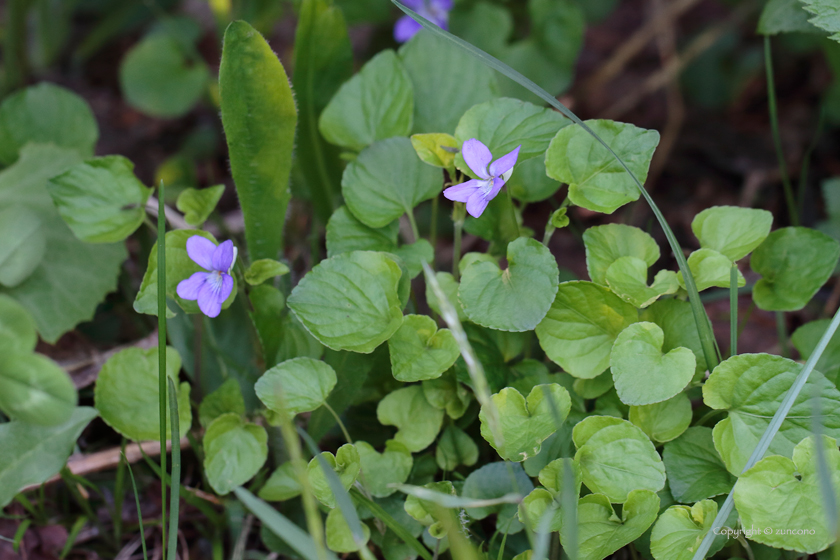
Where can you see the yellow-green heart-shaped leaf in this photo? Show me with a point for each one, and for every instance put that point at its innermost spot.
(420, 351)
(392, 466)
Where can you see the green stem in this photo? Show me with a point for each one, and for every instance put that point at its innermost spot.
(161, 244)
(781, 331)
(777, 140)
(413, 222)
(175, 477)
(458, 220)
(339, 422)
(733, 310)
(513, 214)
(433, 223)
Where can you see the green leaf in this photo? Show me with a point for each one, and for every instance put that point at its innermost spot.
(751, 387)
(375, 104)
(695, 470)
(525, 423)
(414, 255)
(270, 318)
(805, 340)
(226, 398)
(784, 16)
(295, 386)
(447, 393)
(680, 529)
(447, 82)
(263, 269)
(234, 450)
(596, 180)
(497, 225)
(826, 16)
(608, 243)
(126, 393)
(641, 372)
(793, 262)
(616, 458)
(529, 183)
(198, 204)
(420, 351)
(455, 448)
(388, 180)
(710, 269)
(346, 463)
(780, 493)
(73, 276)
(32, 454)
(350, 301)
(579, 330)
(533, 508)
(675, 319)
(339, 536)
(450, 288)
(495, 480)
(345, 233)
(516, 299)
(531, 58)
(553, 474)
(472, 25)
(595, 387)
(179, 266)
(663, 421)
(352, 371)
(558, 28)
(282, 485)
(22, 244)
(17, 329)
(417, 421)
(323, 60)
(732, 231)
(46, 113)
(627, 278)
(159, 79)
(379, 470)
(34, 389)
(601, 532)
(427, 512)
(101, 199)
(258, 110)
(436, 149)
(503, 124)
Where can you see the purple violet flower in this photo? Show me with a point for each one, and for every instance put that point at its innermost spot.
(212, 288)
(477, 193)
(436, 11)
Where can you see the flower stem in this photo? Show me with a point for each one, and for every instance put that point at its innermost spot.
(162, 388)
(458, 217)
(733, 310)
(777, 140)
(433, 223)
(413, 223)
(339, 422)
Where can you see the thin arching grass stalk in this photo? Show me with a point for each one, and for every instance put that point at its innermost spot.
(823, 471)
(704, 326)
(161, 310)
(414, 229)
(777, 139)
(733, 310)
(137, 503)
(175, 477)
(339, 422)
(771, 431)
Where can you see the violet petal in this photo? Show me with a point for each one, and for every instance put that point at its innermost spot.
(190, 288)
(463, 191)
(405, 29)
(476, 204)
(200, 250)
(504, 163)
(223, 256)
(477, 156)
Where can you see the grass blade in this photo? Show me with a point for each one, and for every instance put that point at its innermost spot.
(704, 326)
(161, 293)
(71, 536)
(450, 501)
(392, 524)
(733, 310)
(771, 431)
(139, 513)
(291, 534)
(569, 504)
(175, 477)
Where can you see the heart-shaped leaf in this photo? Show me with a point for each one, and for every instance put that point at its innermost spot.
(379, 470)
(665, 420)
(339, 536)
(350, 301)
(455, 447)
(34, 389)
(388, 180)
(281, 485)
(608, 243)
(627, 278)
(710, 269)
(768, 494)
(447, 393)
(436, 149)
(295, 386)
(535, 506)
(427, 512)
(529, 183)
(616, 457)
(731, 230)
(751, 387)
(376, 103)
(347, 465)
(601, 532)
(596, 180)
(676, 320)
(198, 204)
(680, 530)
(793, 262)
(515, 299)
(420, 351)
(695, 470)
(234, 451)
(641, 372)
(417, 421)
(578, 331)
(526, 423)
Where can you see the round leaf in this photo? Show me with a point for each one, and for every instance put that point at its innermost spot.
(388, 180)
(601, 532)
(579, 329)
(34, 389)
(350, 301)
(417, 422)
(345, 234)
(339, 537)
(234, 451)
(516, 299)
(379, 470)
(731, 230)
(680, 529)
(420, 351)
(455, 448)
(627, 278)
(641, 372)
(608, 243)
(663, 421)
(347, 465)
(710, 269)
(295, 386)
